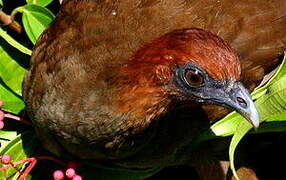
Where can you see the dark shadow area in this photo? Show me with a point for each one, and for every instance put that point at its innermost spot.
(265, 154)
(176, 172)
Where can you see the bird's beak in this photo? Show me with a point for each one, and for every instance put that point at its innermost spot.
(237, 97)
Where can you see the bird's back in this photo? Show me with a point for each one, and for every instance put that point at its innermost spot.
(107, 32)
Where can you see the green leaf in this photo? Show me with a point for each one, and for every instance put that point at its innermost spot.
(6, 137)
(11, 76)
(11, 72)
(20, 148)
(274, 101)
(42, 3)
(240, 132)
(12, 102)
(227, 126)
(35, 20)
(14, 43)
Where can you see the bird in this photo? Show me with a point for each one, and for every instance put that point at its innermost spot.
(131, 83)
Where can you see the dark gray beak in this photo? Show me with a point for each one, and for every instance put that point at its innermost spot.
(237, 97)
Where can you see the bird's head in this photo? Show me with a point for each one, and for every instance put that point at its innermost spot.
(197, 66)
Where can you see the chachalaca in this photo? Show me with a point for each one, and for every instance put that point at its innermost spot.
(128, 83)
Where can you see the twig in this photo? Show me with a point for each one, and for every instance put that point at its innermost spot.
(9, 21)
(17, 118)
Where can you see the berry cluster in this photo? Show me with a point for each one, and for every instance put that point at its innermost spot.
(70, 173)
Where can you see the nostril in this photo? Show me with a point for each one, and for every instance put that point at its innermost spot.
(241, 102)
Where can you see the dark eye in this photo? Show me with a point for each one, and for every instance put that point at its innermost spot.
(194, 78)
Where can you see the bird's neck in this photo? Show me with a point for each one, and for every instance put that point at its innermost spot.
(141, 104)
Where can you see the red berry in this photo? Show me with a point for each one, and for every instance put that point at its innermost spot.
(1, 124)
(70, 173)
(58, 175)
(6, 159)
(2, 115)
(77, 177)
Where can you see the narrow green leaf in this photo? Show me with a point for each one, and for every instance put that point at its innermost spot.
(11, 72)
(42, 3)
(227, 125)
(14, 43)
(35, 20)
(240, 132)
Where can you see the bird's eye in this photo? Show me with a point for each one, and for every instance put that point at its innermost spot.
(194, 78)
